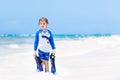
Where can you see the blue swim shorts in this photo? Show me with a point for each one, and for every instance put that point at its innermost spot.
(43, 55)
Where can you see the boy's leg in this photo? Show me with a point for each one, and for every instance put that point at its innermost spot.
(46, 61)
(46, 66)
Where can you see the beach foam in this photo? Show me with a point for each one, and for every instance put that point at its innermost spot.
(13, 46)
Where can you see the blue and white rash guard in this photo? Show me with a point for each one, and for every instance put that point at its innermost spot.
(44, 41)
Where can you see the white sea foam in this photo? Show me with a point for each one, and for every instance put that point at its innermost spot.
(13, 45)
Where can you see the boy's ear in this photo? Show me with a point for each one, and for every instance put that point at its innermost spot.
(47, 24)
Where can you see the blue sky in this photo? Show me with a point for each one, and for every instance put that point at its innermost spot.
(65, 16)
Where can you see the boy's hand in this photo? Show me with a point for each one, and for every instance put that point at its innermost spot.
(53, 52)
(35, 53)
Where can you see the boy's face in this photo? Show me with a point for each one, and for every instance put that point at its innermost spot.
(43, 24)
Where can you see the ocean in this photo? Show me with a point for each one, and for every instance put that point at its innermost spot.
(20, 43)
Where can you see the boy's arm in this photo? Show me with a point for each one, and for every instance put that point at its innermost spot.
(36, 43)
(52, 43)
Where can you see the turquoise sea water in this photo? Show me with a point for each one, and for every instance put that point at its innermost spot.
(55, 35)
(18, 43)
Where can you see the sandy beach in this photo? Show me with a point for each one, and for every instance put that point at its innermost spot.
(83, 59)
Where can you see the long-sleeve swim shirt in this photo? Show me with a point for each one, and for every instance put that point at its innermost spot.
(44, 40)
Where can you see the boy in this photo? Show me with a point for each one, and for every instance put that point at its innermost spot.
(43, 43)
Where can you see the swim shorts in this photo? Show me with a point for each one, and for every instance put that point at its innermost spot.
(43, 55)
